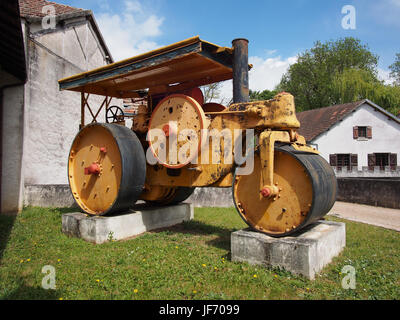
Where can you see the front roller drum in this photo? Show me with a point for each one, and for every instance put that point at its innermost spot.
(307, 191)
(106, 168)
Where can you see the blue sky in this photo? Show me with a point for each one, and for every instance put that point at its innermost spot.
(277, 30)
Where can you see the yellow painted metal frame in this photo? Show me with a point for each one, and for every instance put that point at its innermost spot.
(273, 120)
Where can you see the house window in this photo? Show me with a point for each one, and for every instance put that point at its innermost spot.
(343, 160)
(362, 133)
(382, 160)
(340, 160)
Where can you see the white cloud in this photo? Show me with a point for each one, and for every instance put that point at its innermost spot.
(265, 74)
(130, 33)
(225, 93)
(133, 6)
(384, 75)
(271, 52)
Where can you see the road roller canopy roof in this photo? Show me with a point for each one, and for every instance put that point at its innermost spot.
(179, 66)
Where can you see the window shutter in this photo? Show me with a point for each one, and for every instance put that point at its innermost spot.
(393, 161)
(371, 161)
(355, 132)
(333, 160)
(354, 161)
(369, 132)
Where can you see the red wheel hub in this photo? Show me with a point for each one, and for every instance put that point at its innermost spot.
(266, 192)
(94, 168)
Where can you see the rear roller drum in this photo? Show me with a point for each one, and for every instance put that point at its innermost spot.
(307, 191)
(106, 168)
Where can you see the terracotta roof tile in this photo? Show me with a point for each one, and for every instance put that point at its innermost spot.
(33, 8)
(316, 121)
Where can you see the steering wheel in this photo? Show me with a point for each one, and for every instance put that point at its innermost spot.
(114, 114)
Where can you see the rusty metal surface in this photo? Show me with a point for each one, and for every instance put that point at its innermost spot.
(182, 65)
(277, 113)
(307, 190)
(290, 186)
(240, 70)
(106, 168)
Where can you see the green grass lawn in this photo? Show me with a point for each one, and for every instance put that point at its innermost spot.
(189, 261)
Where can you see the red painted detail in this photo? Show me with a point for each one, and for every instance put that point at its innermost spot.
(266, 192)
(103, 149)
(213, 107)
(94, 168)
(166, 130)
(169, 130)
(196, 94)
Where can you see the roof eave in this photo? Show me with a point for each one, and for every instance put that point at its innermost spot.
(340, 119)
(59, 17)
(387, 113)
(100, 36)
(374, 105)
(83, 13)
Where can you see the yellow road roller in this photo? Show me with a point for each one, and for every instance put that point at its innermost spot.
(176, 141)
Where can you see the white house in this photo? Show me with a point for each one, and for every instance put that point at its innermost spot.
(38, 121)
(358, 139)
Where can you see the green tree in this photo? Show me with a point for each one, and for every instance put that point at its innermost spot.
(262, 95)
(395, 69)
(355, 84)
(311, 78)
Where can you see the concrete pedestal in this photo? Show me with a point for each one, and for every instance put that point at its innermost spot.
(140, 219)
(305, 253)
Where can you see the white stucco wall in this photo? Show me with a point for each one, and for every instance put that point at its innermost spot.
(339, 138)
(76, 43)
(13, 124)
(13, 120)
(53, 116)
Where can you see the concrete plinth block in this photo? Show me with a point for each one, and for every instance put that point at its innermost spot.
(305, 254)
(141, 218)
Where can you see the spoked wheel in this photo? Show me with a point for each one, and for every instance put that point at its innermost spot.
(114, 114)
(307, 191)
(106, 168)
